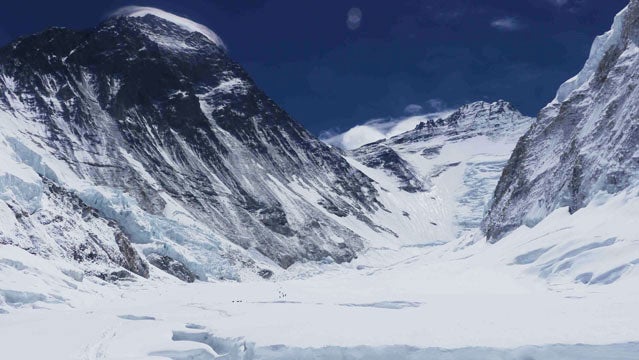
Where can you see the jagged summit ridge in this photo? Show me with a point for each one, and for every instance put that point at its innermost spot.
(493, 119)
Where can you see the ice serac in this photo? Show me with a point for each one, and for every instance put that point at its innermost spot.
(156, 127)
(49, 221)
(584, 142)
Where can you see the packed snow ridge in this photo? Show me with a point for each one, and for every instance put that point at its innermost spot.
(184, 23)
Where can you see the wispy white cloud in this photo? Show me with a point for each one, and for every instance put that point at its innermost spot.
(413, 109)
(507, 23)
(437, 104)
(354, 137)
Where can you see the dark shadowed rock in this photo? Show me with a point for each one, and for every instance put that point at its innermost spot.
(172, 267)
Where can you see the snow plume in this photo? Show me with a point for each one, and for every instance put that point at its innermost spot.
(186, 24)
(375, 130)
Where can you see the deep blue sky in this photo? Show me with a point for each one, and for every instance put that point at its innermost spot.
(425, 52)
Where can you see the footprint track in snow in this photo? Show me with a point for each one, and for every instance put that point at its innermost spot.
(97, 350)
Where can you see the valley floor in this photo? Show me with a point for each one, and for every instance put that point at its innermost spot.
(462, 300)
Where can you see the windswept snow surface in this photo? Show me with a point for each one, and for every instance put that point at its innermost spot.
(572, 279)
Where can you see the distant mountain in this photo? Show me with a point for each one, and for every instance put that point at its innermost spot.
(449, 164)
(586, 141)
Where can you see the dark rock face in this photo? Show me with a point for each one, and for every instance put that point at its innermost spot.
(132, 260)
(432, 152)
(475, 119)
(265, 273)
(115, 276)
(172, 267)
(585, 141)
(143, 106)
(93, 249)
(380, 156)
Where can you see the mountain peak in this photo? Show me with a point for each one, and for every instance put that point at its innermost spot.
(583, 143)
(182, 22)
(623, 23)
(491, 118)
(139, 101)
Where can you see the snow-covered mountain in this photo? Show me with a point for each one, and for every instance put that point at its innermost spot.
(146, 120)
(444, 171)
(584, 142)
(140, 147)
(186, 165)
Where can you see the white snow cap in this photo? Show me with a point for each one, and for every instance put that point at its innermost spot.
(186, 24)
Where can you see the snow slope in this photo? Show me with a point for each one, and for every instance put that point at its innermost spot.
(504, 301)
